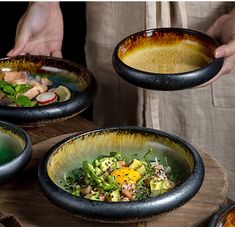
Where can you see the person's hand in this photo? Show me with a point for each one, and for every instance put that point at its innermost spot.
(224, 30)
(39, 31)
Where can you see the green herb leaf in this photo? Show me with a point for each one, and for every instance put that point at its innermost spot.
(20, 88)
(23, 101)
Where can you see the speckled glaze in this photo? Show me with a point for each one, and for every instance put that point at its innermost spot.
(79, 80)
(219, 219)
(13, 167)
(171, 81)
(69, 154)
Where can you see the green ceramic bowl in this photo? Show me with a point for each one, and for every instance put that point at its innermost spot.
(70, 153)
(15, 150)
(75, 77)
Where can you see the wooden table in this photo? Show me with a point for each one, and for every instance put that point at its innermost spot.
(23, 197)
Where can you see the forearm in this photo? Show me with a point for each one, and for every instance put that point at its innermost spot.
(45, 4)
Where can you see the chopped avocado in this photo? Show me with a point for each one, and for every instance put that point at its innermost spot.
(160, 186)
(155, 185)
(166, 185)
(114, 196)
(141, 170)
(93, 196)
(135, 164)
(106, 163)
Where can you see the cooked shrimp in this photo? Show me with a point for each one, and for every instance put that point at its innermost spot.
(41, 87)
(31, 93)
(15, 77)
(35, 90)
(46, 81)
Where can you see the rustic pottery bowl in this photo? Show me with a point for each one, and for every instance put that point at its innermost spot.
(79, 80)
(15, 150)
(225, 217)
(71, 152)
(167, 58)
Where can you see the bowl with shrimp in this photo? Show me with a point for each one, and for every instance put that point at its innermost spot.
(121, 175)
(36, 90)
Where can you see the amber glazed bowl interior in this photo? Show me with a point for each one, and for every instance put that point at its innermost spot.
(15, 150)
(75, 77)
(167, 58)
(69, 154)
(225, 217)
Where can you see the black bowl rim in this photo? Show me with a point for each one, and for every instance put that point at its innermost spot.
(54, 111)
(220, 214)
(135, 210)
(150, 80)
(9, 169)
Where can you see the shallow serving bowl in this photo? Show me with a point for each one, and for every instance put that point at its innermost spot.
(15, 150)
(78, 79)
(225, 217)
(71, 152)
(167, 58)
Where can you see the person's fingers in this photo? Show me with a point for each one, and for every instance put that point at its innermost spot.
(215, 30)
(22, 53)
(56, 53)
(21, 39)
(225, 50)
(227, 68)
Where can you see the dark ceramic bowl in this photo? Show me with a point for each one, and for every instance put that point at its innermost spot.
(167, 58)
(15, 150)
(79, 80)
(70, 153)
(225, 217)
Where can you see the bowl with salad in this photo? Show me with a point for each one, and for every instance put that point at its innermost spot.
(122, 174)
(35, 90)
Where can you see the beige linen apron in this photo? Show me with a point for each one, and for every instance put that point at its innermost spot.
(204, 117)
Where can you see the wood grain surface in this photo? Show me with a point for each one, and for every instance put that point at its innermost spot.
(75, 124)
(23, 197)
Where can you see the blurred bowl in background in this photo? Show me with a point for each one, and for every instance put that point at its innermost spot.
(225, 217)
(15, 150)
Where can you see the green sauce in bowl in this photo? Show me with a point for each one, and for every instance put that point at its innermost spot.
(10, 146)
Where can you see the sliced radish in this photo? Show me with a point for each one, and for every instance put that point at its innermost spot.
(46, 97)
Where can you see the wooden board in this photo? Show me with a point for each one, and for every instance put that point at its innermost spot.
(23, 198)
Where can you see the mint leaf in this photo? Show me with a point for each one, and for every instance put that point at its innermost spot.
(23, 101)
(20, 88)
